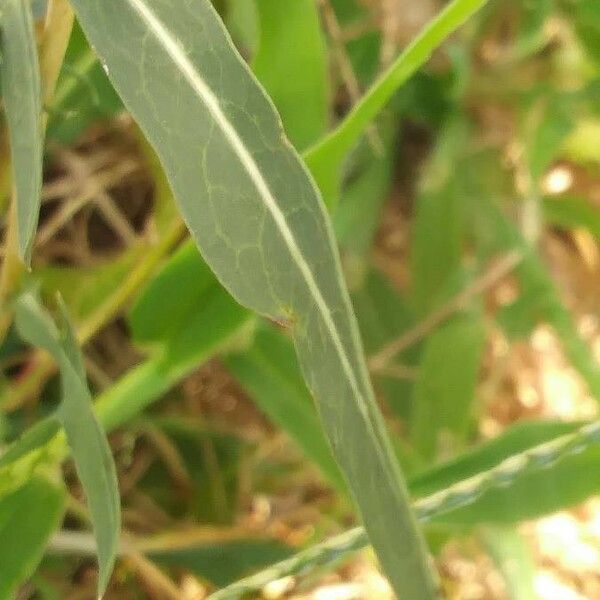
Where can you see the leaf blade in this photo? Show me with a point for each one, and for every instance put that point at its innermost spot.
(22, 94)
(327, 156)
(263, 231)
(445, 388)
(86, 438)
(331, 552)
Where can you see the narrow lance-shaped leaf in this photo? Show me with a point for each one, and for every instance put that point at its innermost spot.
(22, 95)
(88, 442)
(260, 224)
(326, 158)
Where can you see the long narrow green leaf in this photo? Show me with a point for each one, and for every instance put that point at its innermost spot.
(211, 323)
(516, 439)
(259, 222)
(325, 159)
(22, 95)
(536, 460)
(186, 272)
(291, 64)
(88, 442)
(224, 562)
(27, 519)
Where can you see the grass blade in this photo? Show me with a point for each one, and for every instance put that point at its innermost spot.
(439, 223)
(221, 563)
(260, 224)
(22, 95)
(33, 438)
(325, 158)
(87, 440)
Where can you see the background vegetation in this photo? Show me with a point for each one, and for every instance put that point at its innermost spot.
(456, 149)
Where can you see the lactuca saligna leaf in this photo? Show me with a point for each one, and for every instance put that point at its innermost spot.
(22, 96)
(86, 438)
(260, 224)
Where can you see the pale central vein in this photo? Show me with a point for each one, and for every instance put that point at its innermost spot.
(194, 78)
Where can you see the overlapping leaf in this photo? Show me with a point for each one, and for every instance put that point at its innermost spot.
(261, 226)
(455, 490)
(22, 95)
(88, 442)
(326, 158)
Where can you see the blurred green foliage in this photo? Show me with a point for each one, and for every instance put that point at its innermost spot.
(460, 157)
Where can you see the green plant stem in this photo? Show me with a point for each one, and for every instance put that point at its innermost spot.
(336, 145)
(5, 174)
(337, 549)
(139, 388)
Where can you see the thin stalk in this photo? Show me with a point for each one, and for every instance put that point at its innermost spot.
(57, 31)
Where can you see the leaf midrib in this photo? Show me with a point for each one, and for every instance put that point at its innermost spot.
(195, 80)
